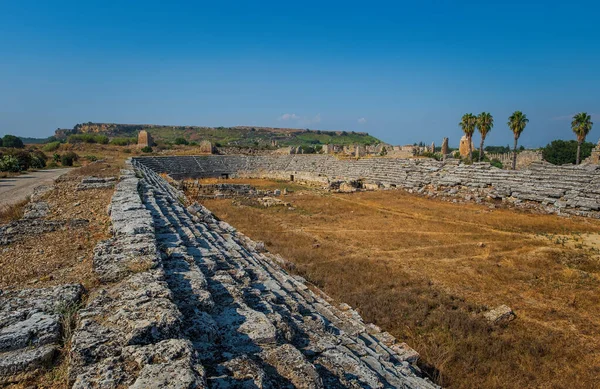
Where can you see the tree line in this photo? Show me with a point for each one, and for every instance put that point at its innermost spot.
(484, 122)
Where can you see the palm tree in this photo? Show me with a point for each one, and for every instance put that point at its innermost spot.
(485, 122)
(517, 122)
(581, 125)
(467, 124)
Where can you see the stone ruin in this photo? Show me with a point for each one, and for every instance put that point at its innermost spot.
(524, 158)
(188, 301)
(206, 147)
(463, 147)
(145, 139)
(445, 148)
(542, 186)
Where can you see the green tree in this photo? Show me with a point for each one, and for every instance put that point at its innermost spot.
(468, 124)
(12, 141)
(485, 122)
(581, 126)
(517, 122)
(561, 152)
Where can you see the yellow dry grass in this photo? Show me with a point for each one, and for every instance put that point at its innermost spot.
(425, 270)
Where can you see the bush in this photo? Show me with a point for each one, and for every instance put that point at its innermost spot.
(146, 149)
(52, 165)
(88, 138)
(9, 163)
(91, 158)
(496, 163)
(67, 159)
(123, 141)
(12, 141)
(38, 159)
(181, 141)
(56, 157)
(52, 146)
(193, 143)
(429, 154)
(560, 152)
(24, 159)
(127, 151)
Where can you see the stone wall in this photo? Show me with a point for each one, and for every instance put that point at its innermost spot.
(524, 158)
(554, 189)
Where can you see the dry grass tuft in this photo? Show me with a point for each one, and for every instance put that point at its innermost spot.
(426, 270)
(12, 212)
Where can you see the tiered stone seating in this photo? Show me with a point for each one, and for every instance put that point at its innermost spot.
(574, 189)
(206, 308)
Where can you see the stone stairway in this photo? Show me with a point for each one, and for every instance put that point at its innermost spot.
(203, 306)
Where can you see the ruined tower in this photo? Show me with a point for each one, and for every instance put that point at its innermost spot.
(144, 139)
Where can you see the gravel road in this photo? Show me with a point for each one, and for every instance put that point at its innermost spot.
(15, 189)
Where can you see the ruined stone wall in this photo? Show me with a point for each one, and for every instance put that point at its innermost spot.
(557, 189)
(524, 158)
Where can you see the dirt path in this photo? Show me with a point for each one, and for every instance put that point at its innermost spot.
(15, 189)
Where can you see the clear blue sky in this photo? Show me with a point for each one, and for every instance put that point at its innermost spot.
(403, 71)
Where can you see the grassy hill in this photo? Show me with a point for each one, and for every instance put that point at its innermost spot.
(243, 136)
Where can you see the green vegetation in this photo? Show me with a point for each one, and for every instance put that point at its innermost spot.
(88, 138)
(12, 141)
(21, 160)
(146, 149)
(180, 141)
(261, 137)
(517, 122)
(52, 146)
(68, 158)
(123, 141)
(560, 152)
(581, 126)
(485, 122)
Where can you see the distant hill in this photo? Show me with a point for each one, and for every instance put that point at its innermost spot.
(243, 136)
(31, 141)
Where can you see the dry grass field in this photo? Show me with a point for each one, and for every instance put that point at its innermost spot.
(425, 270)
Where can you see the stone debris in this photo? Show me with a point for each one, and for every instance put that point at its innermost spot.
(210, 310)
(499, 315)
(272, 202)
(31, 328)
(36, 210)
(97, 183)
(542, 186)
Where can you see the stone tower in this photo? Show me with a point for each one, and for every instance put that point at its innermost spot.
(144, 139)
(464, 146)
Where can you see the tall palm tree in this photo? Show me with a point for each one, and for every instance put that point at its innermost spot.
(517, 122)
(468, 124)
(581, 125)
(485, 122)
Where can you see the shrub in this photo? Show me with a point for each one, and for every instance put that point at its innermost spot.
(38, 159)
(123, 141)
(24, 159)
(193, 143)
(52, 146)
(91, 158)
(146, 149)
(88, 138)
(67, 159)
(496, 163)
(127, 151)
(52, 165)
(429, 154)
(181, 141)
(12, 141)
(56, 157)
(9, 163)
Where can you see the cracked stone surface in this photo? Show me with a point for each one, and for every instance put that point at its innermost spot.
(31, 327)
(190, 303)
